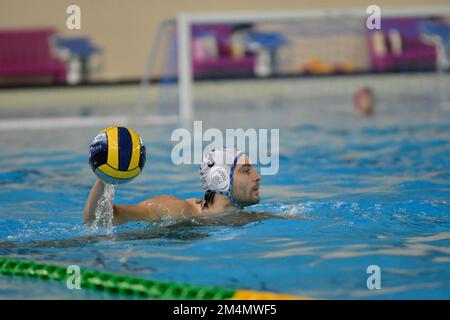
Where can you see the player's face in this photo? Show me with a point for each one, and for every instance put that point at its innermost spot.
(365, 103)
(246, 183)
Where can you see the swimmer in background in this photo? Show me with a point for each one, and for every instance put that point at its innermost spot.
(364, 102)
(230, 183)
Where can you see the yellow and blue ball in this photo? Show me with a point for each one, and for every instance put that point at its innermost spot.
(117, 155)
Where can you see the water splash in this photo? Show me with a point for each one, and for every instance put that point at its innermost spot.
(104, 211)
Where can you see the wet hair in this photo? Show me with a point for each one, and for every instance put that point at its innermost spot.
(208, 199)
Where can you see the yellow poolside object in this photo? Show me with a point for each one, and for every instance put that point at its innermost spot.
(255, 295)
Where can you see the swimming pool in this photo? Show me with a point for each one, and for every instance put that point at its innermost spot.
(374, 192)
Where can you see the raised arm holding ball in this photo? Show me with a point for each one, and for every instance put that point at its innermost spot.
(117, 155)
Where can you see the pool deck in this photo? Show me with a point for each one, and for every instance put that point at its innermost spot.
(65, 101)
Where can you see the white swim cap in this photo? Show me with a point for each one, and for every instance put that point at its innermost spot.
(216, 170)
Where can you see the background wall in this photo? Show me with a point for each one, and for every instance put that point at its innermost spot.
(125, 29)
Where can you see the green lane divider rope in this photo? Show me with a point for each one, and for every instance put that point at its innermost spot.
(119, 284)
(132, 286)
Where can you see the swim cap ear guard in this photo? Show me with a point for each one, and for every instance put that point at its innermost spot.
(216, 171)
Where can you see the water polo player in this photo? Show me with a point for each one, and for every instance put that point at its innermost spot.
(227, 176)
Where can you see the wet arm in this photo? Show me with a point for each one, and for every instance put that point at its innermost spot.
(91, 204)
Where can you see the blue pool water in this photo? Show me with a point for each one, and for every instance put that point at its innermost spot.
(374, 192)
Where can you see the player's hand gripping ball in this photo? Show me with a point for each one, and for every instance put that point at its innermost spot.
(117, 155)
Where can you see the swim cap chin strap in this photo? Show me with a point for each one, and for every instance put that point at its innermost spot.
(230, 190)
